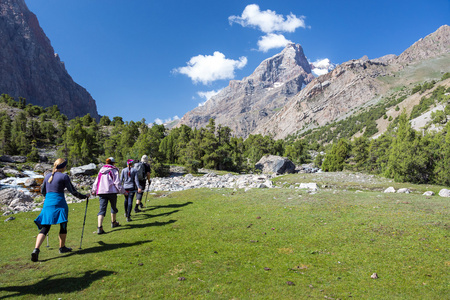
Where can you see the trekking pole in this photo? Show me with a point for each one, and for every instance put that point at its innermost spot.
(84, 221)
(47, 240)
(146, 195)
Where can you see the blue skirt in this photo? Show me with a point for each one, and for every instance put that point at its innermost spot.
(55, 210)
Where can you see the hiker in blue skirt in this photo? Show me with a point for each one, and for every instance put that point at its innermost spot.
(55, 210)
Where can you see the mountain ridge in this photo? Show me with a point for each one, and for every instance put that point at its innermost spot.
(351, 85)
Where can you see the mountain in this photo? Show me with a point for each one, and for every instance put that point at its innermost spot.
(248, 103)
(30, 68)
(359, 83)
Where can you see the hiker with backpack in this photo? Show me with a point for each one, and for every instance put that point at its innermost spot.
(129, 179)
(143, 174)
(55, 210)
(107, 185)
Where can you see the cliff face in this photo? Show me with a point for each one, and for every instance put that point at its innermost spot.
(30, 68)
(246, 104)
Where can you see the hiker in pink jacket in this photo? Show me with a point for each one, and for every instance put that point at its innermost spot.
(107, 185)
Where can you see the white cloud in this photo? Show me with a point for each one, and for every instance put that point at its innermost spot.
(165, 121)
(267, 21)
(208, 68)
(322, 67)
(207, 95)
(271, 41)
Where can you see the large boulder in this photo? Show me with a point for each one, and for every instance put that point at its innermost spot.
(6, 158)
(89, 169)
(19, 159)
(273, 164)
(444, 193)
(8, 196)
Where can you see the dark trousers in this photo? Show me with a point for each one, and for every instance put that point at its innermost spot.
(103, 200)
(128, 203)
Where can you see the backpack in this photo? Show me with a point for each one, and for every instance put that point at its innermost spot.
(140, 168)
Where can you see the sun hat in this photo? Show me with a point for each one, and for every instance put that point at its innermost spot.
(110, 160)
(144, 158)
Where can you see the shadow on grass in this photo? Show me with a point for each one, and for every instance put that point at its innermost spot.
(50, 285)
(168, 206)
(151, 224)
(102, 248)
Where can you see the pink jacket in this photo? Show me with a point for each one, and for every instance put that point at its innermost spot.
(108, 181)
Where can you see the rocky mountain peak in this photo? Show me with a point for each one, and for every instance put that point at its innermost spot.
(245, 104)
(30, 68)
(432, 45)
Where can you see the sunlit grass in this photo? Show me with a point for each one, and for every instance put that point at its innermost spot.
(232, 244)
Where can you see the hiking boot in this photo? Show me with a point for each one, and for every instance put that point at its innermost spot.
(100, 230)
(141, 205)
(35, 255)
(115, 224)
(137, 210)
(129, 219)
(65, 249)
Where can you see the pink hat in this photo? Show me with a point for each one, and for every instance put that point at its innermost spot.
(129, 162)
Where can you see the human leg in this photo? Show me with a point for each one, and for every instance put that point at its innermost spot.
(103, 203)
(129, 206)
(62, 238)
(39, 240)
(113, 200)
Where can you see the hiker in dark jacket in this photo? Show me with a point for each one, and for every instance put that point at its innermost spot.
(142, 182)
(128, 177)
(55, 210)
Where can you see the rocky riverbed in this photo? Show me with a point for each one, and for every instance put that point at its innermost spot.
(13, 200)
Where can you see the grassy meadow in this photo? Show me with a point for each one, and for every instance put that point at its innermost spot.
(281, 243)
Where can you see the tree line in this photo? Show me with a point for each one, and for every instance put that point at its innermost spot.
(400, 153)
(83, 140)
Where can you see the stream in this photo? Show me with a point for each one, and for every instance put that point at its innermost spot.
(19, 183)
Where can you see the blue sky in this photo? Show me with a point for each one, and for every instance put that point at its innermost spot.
(160, 59)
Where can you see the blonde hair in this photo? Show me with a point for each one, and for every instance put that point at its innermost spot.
(55, 164)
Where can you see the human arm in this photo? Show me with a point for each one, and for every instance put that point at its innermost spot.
(117, 182)
(69, 186)
(137, 183)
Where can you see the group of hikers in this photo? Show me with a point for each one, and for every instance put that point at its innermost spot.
(109, 182)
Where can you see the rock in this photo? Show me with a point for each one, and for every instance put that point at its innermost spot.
(390, 190)
(272, 164)
(31, 182)
(12, 195)
(89, 169)
(42, 167)
(6, 158)
(19, 159)
(310, 186)
(374, 276)
(444, 193)
(428, 193)
(404, 191)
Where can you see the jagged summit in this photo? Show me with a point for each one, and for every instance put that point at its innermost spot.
(245, 104)
(30, 68)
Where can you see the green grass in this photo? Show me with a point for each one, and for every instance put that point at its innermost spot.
(328, 244)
